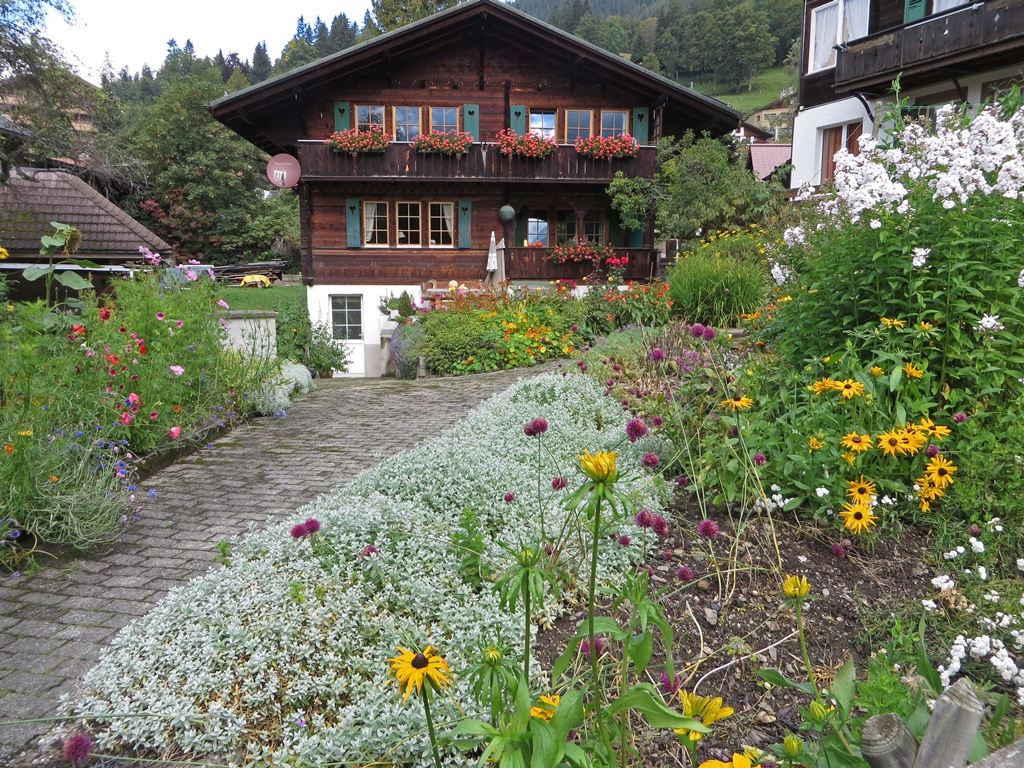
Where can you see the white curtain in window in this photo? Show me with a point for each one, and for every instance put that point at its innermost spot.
(447, 210)
(944, 5)
(826, 25)
(369, 219)
(855, 19)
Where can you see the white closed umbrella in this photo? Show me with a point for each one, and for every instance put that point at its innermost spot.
(492, 255)
(499, 275)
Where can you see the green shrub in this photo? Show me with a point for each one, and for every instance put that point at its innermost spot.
(715, 289)
(407, 344)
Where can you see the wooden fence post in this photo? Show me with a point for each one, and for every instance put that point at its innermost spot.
(888, 743)
(950, 735)
(1007, 757)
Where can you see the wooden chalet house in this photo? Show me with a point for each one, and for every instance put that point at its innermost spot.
(944, 51)
(377, 223)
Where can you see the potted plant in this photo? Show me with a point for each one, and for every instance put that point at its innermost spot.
(607, 147)
(531, 145)
(450, 143)
(577, 250)
(355, 141)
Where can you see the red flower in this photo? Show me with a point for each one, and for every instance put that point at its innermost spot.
(78, 330)
(113, 359)
(104, 314)
(142, 349)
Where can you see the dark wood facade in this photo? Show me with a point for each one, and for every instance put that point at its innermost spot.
(493, 67)
(910, 39)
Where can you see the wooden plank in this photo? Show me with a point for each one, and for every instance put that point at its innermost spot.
(888, 743)
(950, 735)
(1007, 757)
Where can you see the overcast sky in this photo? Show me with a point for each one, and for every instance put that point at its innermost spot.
(136, 33)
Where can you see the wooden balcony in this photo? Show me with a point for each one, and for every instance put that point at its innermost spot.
(483, 162)
(974, 38)
(535, 264)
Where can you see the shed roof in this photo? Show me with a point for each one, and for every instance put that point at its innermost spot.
(765, 158)
(31, 199)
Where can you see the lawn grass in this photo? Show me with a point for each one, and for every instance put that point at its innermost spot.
(767, 88)
(276, 298)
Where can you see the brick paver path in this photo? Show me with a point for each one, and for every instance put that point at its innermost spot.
(55, 622)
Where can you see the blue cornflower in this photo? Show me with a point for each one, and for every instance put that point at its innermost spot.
(133, 488)
(79, 433)
(13, 534)
(153, 493)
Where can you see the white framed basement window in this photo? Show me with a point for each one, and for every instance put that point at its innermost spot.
(347, 317)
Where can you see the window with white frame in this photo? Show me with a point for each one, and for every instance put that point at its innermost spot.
(368, 117)
(407, 123)
(837, 22)
(442, 224)
(408, 224)
(347, 317)
(375, 223)
(577, 124)
(444, 119)
(614, 123)
(542, 122)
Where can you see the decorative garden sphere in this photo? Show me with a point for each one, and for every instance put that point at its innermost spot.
(506, 213)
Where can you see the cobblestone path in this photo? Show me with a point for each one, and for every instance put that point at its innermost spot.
(55, 622)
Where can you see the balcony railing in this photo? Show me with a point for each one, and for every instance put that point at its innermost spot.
(535, 264)
(482, 162)
(981, 35)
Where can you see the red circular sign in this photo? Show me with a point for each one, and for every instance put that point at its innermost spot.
(283, 171)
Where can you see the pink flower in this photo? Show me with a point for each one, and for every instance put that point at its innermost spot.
(559, 483)
(707, 529)
(154, 415)
(179, 323)
(224, 304)
(509, 498)
(177, 370)
(174, 432)
(159, 315)
(133, 398)
(126, 419)
(77, 748)
(651, 460)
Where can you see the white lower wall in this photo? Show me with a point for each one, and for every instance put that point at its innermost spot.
(807, 127)
(365, 354)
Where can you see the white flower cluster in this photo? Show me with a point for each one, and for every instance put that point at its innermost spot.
(781, 273)
(1020, 279)
(943, 583)
(794, 236)
(953, 554)
(920, 257)
(772, 503)
(989, 324)
(234, 661)
(976, 545)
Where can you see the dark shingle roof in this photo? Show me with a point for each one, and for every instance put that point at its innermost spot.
(32, 199)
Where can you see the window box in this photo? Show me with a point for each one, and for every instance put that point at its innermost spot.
(531, 145)
(354, 141)
(450, 143)
(607, 147)
(580, 251)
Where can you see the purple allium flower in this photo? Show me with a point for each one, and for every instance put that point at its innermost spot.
(669, 684)
(685, 573)
(549, 549)
(697, 330)
(682, 481)
(598, 646)
(659, 525)
(960, 418)
(536, 427)
(657, 355)
(312, 525)
(635, 429)
(77, 748)
(931, 451)
(559, 483)
(974, 530)
(299, 531)
(657, 421)
(707, 529)
(368, 551)
(574, 328)
(760, 459)
(624, 540)
(651, 460)
(709, 333)
(509, 498)
(839, 551)
(666, 555)
(645, 518)
(616, 367)
(734, 432)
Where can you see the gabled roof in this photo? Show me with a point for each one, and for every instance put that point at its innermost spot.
(245, 111)
(765, 158)
(31, 199)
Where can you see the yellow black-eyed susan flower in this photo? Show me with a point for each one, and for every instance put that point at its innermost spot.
(737, 402)
(860, 490)
(600, 466)
(796, 587)
(876, 371)
(856, 442)
(857, 517)
(814, 444)
(941, 470)
(912, 371)
(412, 668)
(938, 431)
(824, 385)
(702, 708)
(891, 322)
(849, 388)
(545, 708)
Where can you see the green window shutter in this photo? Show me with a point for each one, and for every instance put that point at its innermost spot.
(471, 120)
(465, 223)
(641, 119)
(520, 231)
(353, 230)
(517, 119)
(342, 115)
(636, 238)
(914, 10)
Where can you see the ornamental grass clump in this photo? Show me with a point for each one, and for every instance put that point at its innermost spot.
(303, 627)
